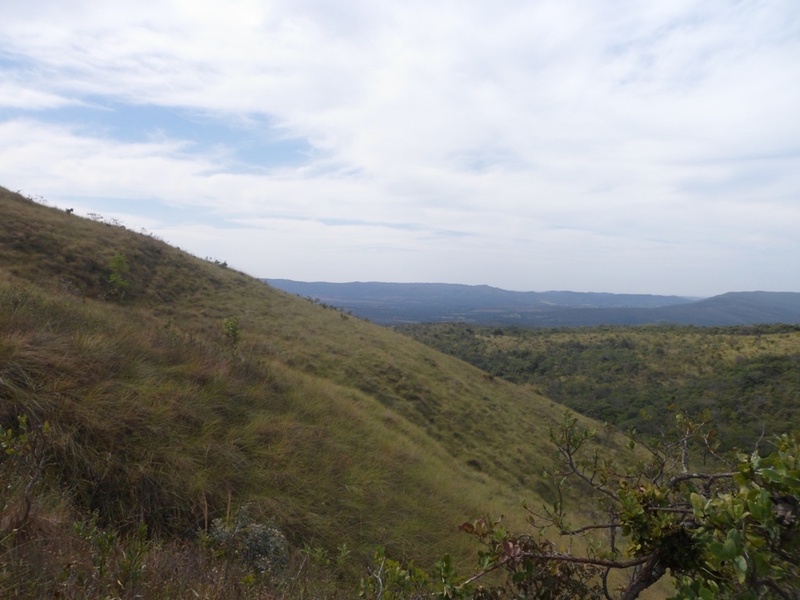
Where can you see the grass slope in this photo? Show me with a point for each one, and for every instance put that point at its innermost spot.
(338, 430)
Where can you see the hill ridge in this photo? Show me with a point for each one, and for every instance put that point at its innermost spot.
(399, 303)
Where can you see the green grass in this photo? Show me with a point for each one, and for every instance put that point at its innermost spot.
(339, 431)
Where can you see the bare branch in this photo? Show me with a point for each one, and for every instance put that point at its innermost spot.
(713, 453)
(575, 470)
(585, 560)
(775, 588)
(605, 583)
(597, 562)
(581, 530)
(484, 572)
(760, 438)
(709, 477)
(651, 571)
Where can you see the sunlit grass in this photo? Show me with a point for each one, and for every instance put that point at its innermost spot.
(341, 432)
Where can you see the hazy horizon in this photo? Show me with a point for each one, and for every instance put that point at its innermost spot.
(538, 291)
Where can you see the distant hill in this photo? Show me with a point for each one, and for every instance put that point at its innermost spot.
(398, 303)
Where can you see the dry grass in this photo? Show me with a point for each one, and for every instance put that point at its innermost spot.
(341, 431)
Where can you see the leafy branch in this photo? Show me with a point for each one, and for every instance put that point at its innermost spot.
(721, 534)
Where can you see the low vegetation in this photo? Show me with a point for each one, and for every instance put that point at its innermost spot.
(172, 428)
(180, 391)
(728, 533)
(748, 378)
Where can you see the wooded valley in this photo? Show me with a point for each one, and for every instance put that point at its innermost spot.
(746, 377)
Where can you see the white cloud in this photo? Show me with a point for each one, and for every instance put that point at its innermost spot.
(560, 140)
(16, 94)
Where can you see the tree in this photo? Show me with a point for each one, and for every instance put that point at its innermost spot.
(725, 533)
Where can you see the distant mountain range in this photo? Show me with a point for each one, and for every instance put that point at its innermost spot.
(398, 303)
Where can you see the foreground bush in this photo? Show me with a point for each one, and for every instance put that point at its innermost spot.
(728, 533)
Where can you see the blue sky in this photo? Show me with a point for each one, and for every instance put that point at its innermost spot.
(531, 145)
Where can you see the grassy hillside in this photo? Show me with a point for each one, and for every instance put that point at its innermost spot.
(177, 390)
(748, 378)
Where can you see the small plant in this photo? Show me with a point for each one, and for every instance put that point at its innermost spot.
(220, 263)
(132, 559)
(390, 580)
(119, 268)
(22, 457)
(103, 542)
(232, 331)
(261, 547)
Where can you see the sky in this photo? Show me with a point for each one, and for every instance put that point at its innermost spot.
(587, 145)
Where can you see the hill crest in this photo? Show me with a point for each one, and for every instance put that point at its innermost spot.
(401, 303)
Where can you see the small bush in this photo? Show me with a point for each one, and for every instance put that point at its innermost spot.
(232, 331)
(261, 547)
(119, 268)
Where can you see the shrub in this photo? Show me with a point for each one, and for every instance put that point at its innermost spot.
(232, 331)
(119, 267)
(261, 547)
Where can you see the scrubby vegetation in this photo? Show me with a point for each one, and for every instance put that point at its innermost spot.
(201, 390)
(748, 378)
(719, 534)
(172, 428)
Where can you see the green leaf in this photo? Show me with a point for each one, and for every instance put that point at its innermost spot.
(761, 507)
(772, 475)
(732, 545)
(740, 564)
(707, 594)
(716, 549)
(698, 504)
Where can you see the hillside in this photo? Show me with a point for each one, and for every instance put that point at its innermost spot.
(177, 391)
(399, 303)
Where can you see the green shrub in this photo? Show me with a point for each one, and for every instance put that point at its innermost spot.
(119, 268)
(232, 331)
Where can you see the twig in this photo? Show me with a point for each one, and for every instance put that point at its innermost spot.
(605, 583)
(379, 577)
(597, 562)
(709, 477)
(581, 530)
(494, 567)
